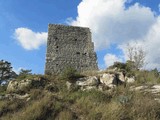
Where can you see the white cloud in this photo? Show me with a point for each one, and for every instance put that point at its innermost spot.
(110, 22)
(150, 43)
(30, 40)
(109, 59)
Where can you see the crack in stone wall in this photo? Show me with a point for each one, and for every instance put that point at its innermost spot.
(69, 46)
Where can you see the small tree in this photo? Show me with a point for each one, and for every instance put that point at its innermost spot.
(5, 70)
(137, 55)
(24, 73)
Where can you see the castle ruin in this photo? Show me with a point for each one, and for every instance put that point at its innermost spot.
(69, 46)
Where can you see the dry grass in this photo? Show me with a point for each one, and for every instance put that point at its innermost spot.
(118, 104)
(89, 73)
(65, 115)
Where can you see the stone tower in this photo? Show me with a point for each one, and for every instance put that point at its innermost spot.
(69, 46)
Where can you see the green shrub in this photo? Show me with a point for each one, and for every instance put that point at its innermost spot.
(70, 74)
(118, 65)
(24, 74)
(3, 89)
(52, 88)
(144, 76)
(127, 68)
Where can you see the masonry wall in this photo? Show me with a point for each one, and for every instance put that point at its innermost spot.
(69, 46)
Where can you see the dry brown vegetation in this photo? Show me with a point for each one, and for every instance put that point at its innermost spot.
(55, 102)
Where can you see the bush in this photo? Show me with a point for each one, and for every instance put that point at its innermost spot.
(52, 88)
(10, 106)
(24, 74)
(70, 74)
(127, 68)
(145, 76)
(118, 65)
(3, 89)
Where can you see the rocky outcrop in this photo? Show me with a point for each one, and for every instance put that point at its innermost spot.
(104, 81)
(130, 79)
(16, 86)
(15, 96)
(155, 89)
(24, 85)
(88, 81)
(112, 79)
(107, 78)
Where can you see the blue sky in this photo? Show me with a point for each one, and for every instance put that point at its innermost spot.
(24, 25)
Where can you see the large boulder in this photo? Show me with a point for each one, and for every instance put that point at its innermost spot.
(107, 78)
(155, 89)
(88, 81)
(130, 79)
(24, 85)
(17, 86)
(121, 76)
(110, 80)
(72, 86)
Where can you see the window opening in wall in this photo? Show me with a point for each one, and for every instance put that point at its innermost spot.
(78, 53)
(84, 53)
(56, 38)
(75, 39)
(56, 46)
(56, 64)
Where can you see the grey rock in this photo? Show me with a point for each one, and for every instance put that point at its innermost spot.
(103, 87)
(110, 80)
(17, 96)
(23, 85)
(107, 79)
(121, 76)
(88, 81)
(69, 84)
(157, 99)
(130, 79)
(143, 87)
(15, 86)
(155, 89)
(83, 88)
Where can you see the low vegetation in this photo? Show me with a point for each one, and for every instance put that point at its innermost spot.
(119, 104)
(54, 101)
(70, 74)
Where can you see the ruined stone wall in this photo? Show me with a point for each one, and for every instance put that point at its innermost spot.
(69, 46)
